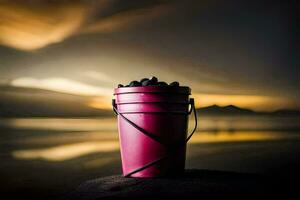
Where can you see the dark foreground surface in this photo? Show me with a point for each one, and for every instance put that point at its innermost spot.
(194, 184)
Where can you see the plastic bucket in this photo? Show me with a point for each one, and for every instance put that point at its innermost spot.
(153, 124)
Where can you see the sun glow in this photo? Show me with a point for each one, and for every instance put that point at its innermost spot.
(100, 103)
(64, 85)
(264, 103)
(101, 96)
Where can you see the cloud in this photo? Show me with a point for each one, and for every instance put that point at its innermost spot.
(128, 19)
(99, 76)
(29, 26)
(64, 85)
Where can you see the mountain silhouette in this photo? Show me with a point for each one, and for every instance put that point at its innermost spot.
(234, 110)
(230, 109)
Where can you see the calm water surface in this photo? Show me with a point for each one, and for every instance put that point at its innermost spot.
(45, 157)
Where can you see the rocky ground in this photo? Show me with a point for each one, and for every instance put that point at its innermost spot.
(193, 184)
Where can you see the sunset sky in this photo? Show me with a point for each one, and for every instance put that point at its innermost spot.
(228, 52)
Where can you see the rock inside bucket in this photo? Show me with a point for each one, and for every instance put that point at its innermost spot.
(153, 81)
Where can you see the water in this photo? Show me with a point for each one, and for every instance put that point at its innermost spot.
(43, 157)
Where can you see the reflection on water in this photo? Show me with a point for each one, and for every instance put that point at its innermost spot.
(241, 136)
(75, 150)
(100, 135)
(81, 149)
(63, 124)
(211, 123)
(216, 123)
(68, 151)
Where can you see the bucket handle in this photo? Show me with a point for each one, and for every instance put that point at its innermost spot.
(155, 138)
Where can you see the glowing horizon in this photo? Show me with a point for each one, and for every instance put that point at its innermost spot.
(100, 97)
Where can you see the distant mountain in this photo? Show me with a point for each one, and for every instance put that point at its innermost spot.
(234, 110)
(224, 110)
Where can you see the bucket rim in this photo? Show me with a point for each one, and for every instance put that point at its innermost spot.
(153, 89)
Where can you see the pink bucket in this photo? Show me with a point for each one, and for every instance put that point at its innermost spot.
(153, 123)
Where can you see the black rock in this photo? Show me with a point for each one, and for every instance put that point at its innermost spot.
(161, 83)
(175, 84)
(144, 81)
(120, 85)
(134, 84)
(153, 81)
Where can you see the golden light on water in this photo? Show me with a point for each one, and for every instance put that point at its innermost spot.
(71, 151)
(68, 151)
(240, 136)
(62, 124)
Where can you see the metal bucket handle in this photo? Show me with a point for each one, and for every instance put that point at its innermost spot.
(155, 138)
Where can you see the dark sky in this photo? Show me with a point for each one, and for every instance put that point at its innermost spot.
(228, 52)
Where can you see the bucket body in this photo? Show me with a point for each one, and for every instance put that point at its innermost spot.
(160, 112)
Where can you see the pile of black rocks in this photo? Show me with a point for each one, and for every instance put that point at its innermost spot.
(153, 81)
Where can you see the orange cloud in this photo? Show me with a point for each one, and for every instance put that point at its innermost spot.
(28, 27)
